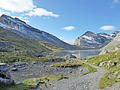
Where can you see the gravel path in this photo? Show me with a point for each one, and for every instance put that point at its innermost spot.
(86, 82)
(114, 87)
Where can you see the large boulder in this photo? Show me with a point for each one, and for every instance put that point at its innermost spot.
(102, 63)
(6, 81)
(21, 64)
(5, 77)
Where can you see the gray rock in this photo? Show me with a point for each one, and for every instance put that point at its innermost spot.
(5, 77)
(105, 51)
(20, 64)
(111, 75)
(114, 63)
(70, 56)
(2, 64)
(118, 77)
(6, 81)
(70, 61)
(14, 69)
(102, 63)
(3, 67)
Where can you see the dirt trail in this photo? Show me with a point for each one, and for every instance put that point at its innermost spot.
(86, 82)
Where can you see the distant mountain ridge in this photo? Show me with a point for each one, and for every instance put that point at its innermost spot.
(93, 40)
(21, 28)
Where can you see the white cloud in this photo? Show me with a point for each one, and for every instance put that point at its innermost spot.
(116, 1)
(70, 41)
(25, 5)
(69, 28)
(17, 5)
(41, 12)
(107, 27)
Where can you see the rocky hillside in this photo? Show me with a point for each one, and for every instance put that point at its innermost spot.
(21, 28)
(93, 40)
(10, 39)
(114, 45)
(111, 61)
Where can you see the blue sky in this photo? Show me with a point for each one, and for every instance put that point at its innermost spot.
(66, 19)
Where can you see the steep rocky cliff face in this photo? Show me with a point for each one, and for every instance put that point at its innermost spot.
(93, 40)
(27, 31)
(114, 45)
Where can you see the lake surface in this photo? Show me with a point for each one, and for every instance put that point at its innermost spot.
(78, 53)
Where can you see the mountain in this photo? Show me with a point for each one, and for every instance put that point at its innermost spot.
(26, 31)
(93, 40)
(10, 39)
(114, 45)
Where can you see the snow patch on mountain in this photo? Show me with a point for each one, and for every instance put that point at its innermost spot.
(93, 40)
(21, 28)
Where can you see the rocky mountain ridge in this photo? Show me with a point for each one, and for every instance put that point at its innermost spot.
(21, 28)
(93, 40)
(113, 46)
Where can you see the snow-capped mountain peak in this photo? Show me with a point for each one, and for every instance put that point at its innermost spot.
(93, 40)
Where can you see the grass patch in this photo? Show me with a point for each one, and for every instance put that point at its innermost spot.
(33, 82)
(67, 65)
(106, 82)
(91, 69)
(45, 81)
(76, 64)
(16, 87)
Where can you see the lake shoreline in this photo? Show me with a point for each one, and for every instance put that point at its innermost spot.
(78, 53)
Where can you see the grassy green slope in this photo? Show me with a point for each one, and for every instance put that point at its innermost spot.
(111, 61)
(31, 44)
(21, 44)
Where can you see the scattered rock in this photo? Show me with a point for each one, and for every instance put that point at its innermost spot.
(2, 64)
(70, 61)
(56, 60)
(104, 51)
(102, 63)
(118, 77)
(20, 64)
(114, 63)
(35, 79)
(70, 56)
(34, 62)
(5, 77)
(6, 81)
(14, 69)
(86, 60)
(111, 75)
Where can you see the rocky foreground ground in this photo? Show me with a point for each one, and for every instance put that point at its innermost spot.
(78, 80)
(36, 70)
(85, 82)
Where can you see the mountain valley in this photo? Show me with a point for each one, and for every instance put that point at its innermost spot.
(27, 60)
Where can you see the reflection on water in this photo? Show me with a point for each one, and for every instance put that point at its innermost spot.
(79, 53)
